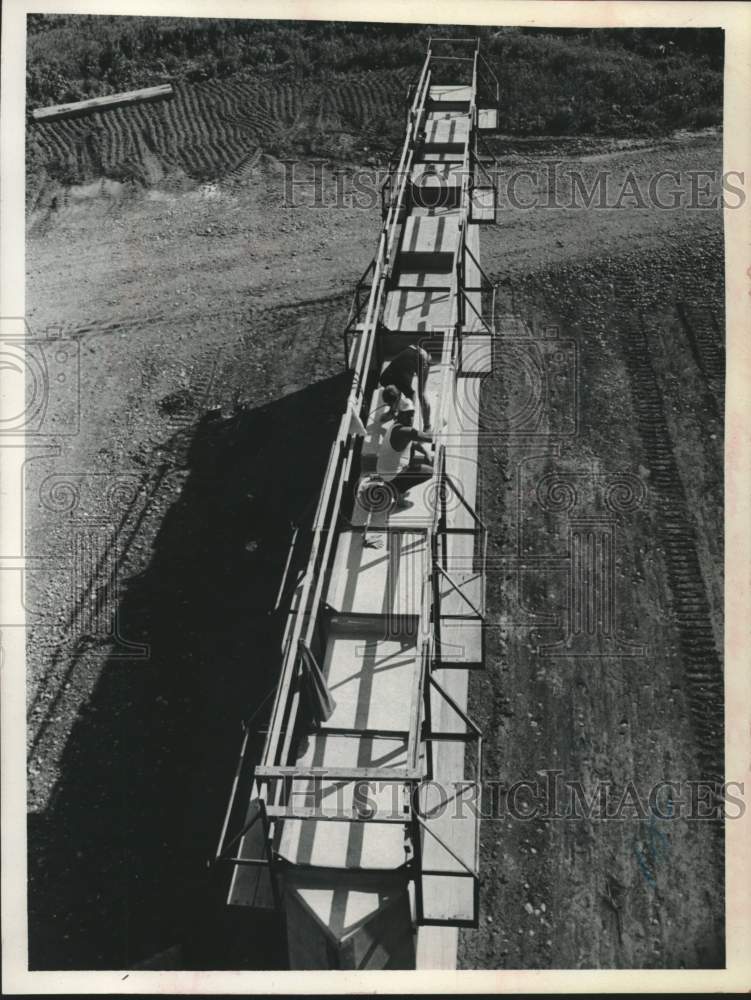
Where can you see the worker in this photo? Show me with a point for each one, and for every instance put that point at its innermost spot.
(398, 377)
(396, 403)
(403, 461)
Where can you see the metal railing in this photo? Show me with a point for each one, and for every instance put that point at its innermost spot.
(325, 521)
(490, 84)
(274, 778)
(302, 623)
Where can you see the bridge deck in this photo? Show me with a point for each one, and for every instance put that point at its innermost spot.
(371, 659)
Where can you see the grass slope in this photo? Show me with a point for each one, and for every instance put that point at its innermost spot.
(601, 81)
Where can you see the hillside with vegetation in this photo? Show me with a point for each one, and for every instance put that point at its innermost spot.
(337, 89)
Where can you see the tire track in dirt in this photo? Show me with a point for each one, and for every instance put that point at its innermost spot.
(243, 166)
(690, 605)
(247, 105)
(218, 136)
(186, 110)
(285, 102)
(256, 315)
(51, 142)
(114, 133)
(707, 346)
(163, 138)
(109, 140)
(171, 128)
(188, 137)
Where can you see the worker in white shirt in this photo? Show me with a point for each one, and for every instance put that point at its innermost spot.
(403, 461)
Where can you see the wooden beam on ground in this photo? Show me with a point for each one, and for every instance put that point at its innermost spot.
(103, 103)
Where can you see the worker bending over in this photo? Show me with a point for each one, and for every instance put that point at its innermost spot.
(403, 460)
(397, 379)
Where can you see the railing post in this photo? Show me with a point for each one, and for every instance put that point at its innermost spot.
(461, 311)
(443, 521)
(428, 721)
(270, 854)
(417, 848)
(435, 583)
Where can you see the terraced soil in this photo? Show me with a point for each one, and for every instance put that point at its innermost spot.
(210, 130)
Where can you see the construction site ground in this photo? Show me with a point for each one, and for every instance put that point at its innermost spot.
(208, 321)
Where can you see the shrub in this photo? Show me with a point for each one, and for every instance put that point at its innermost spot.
(560, 122)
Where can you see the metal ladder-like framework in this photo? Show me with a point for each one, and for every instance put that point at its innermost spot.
(271, 787)
(465, 309)
(397, 201)
(264, 794)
